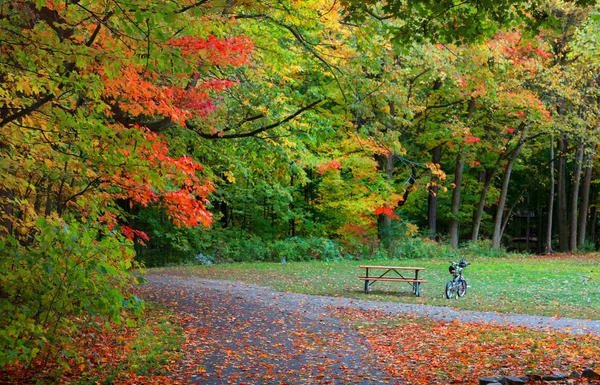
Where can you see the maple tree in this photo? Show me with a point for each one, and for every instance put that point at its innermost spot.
(86, 90)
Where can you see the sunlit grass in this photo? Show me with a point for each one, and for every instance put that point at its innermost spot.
(566, 286)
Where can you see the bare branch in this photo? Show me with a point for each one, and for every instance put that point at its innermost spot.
(264, 128)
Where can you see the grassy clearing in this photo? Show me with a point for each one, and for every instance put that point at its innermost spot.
(566, 286)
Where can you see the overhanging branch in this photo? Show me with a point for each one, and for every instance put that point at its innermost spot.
(219, 135)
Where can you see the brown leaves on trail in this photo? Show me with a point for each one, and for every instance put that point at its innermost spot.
(232, 338)
(422, 351)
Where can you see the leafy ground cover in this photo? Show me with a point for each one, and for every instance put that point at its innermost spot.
(422, 351)
(563, 285)
(110, 354)
(409, 349)
(246, 335)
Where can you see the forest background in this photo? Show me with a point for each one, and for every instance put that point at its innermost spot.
(158, 132)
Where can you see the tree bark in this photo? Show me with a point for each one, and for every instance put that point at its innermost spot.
(292, 219)
(563, 220)
(583, 210)
(575, 198)
(433, 194)
(497, 235)
(384, 222)
(593, 210)
(551, 203)
(454, 221)
(478, 213)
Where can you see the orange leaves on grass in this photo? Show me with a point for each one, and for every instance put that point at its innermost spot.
(103, 354)
(424, 351)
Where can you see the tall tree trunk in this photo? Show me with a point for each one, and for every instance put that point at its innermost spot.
(551, 203)
(563, 220)
(454, 221)
(583, 210)
(575, 198)
(384, 222)
(433, 193)
(497, 235)
(594, 211)
(490, 174)
(292, 219)
(527, 228)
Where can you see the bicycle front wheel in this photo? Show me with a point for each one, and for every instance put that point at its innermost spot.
(462, 288)
(449, 289)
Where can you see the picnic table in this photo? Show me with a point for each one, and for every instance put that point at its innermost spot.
(393, 274)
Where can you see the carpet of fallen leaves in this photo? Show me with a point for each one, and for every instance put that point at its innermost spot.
(235, 340)
(101, 353)
(416, 350)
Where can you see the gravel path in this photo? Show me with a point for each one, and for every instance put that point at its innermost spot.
(242, 333)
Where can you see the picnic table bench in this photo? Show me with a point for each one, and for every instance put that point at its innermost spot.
(393, 274)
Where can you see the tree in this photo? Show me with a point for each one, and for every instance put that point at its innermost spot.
(452, 21)
(86, 89)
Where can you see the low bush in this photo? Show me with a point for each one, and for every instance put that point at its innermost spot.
(50, 287)
(483, 248)
(253, 249)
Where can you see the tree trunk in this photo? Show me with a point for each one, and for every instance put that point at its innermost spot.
(292, 219)
(563, 220)
(575, 198)
(551, 203)
(384, 222)
(583, 210)
(478, 214)
(454, 221)
(594, 211)
(432, 196)
(528, 226)
(497, 235)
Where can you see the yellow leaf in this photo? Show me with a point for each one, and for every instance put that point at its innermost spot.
(229, 176)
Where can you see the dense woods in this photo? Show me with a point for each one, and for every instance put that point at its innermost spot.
(215, 131)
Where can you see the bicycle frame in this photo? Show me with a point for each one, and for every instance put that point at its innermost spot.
(457, 286)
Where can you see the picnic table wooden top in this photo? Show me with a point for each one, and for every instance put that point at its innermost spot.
(391, 267)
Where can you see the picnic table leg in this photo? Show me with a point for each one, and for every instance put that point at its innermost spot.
(367, 286)
(417, 285)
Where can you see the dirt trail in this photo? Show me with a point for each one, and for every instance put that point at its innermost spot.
(241, 333)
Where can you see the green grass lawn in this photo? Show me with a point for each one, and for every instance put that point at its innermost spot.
(565, 286)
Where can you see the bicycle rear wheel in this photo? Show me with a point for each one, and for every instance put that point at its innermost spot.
(462, 287)
(450, 292)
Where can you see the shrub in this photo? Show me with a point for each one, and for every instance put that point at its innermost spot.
(305, 249)
(587, 247)
(482, 248)
(254, 249)
(423, 248)
(68, 273)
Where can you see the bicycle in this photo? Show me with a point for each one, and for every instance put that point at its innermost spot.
(457, 286)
